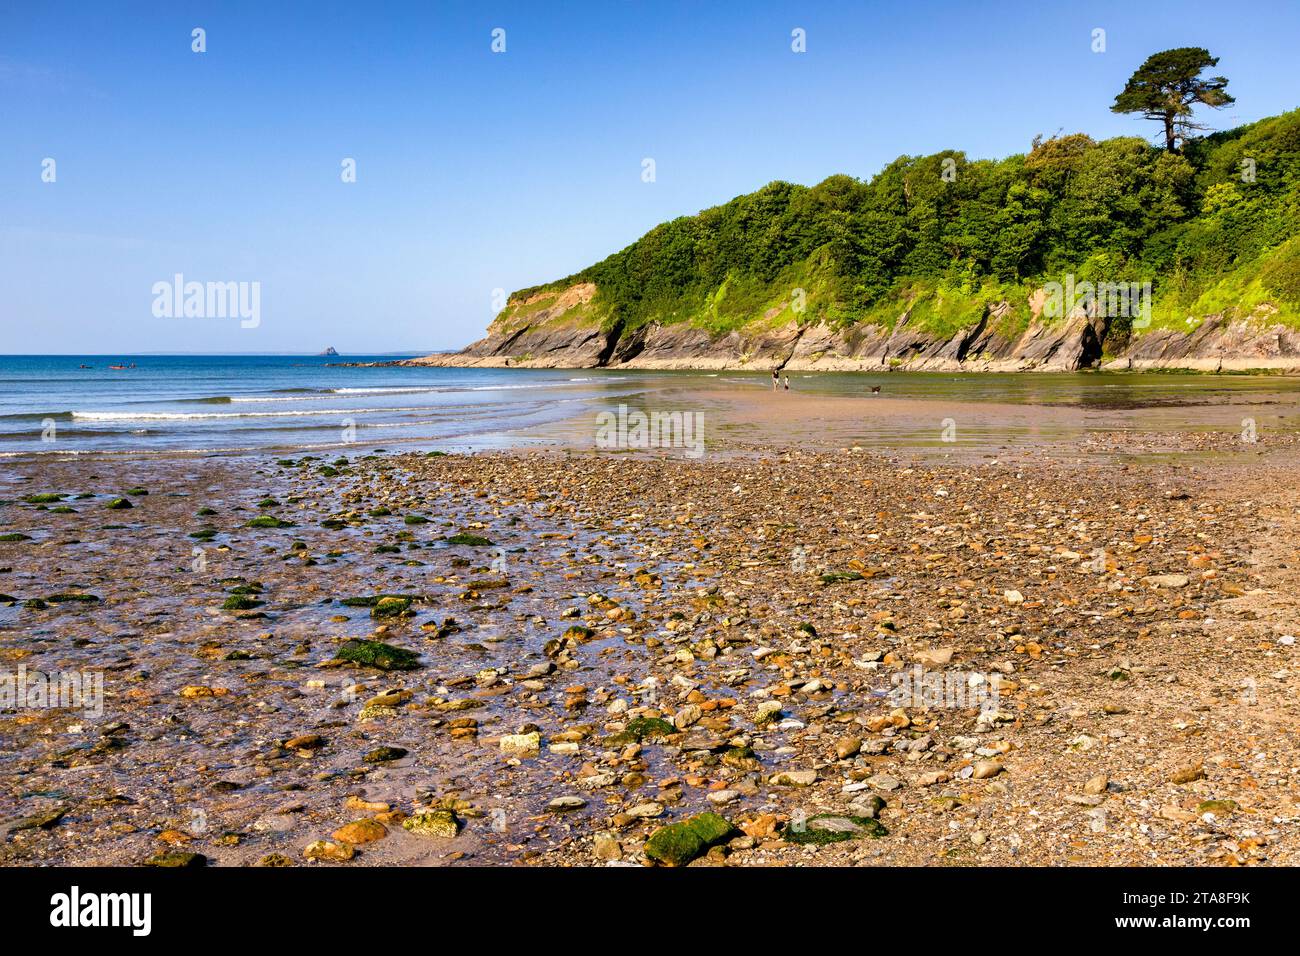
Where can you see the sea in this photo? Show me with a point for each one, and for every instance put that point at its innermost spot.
(167, 404)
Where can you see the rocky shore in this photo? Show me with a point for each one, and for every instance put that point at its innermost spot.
(558, 658)
(551, 337)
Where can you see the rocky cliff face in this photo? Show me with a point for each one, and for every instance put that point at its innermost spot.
(1217, 344)
(556, 336)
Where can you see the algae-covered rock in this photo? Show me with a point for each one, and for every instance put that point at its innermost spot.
(119, 504)
(679, 843)
(176, 859)
(377, 654)
(839, 577)
(43, 499)
(642, 728)
(434, 823)
(384, 754)
(1217, 807)
(472, 540)
(832, 828)
(15, 536)
(382, 605)
(44, 820)
(741, 758)
(239, 602)
(391, 605)
(268, 521)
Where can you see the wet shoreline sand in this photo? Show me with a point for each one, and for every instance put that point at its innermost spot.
(1125, 583)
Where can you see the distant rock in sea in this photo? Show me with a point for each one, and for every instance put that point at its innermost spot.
(329, 351)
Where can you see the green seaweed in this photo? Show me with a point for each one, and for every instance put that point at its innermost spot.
(377, 654)
(269, 521)
(472, 540)
(679, 843)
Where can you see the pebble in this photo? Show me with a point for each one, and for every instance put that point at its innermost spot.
(521, 745)
(325, 850)
(794, 778)
(566, 804)
(1166, 580)
(360, 831)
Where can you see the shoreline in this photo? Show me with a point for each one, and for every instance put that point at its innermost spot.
(1113, 366)
(750, 418)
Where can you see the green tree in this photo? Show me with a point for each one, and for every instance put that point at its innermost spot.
(1166, 87)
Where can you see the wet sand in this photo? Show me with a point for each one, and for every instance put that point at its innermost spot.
(725, 634)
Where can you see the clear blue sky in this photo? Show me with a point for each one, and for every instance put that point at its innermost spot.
(479, 170)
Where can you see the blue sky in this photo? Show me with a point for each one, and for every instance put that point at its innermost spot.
(478, 171)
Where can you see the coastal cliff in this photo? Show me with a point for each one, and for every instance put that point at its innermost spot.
(557, 336)
(1078, 254)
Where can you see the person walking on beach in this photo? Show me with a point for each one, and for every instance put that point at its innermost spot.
(787, 383)
(776, 380)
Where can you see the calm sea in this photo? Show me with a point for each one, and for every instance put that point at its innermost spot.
(161, 404)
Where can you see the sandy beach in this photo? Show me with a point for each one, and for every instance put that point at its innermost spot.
(550, 655)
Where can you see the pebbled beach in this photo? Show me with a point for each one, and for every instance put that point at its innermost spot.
(563, 656)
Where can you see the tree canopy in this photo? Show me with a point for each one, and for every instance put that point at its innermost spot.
(1168, 85)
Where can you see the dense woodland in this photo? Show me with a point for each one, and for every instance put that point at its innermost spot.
(1212, 225)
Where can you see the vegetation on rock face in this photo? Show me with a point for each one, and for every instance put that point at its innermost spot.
(1211, 226)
